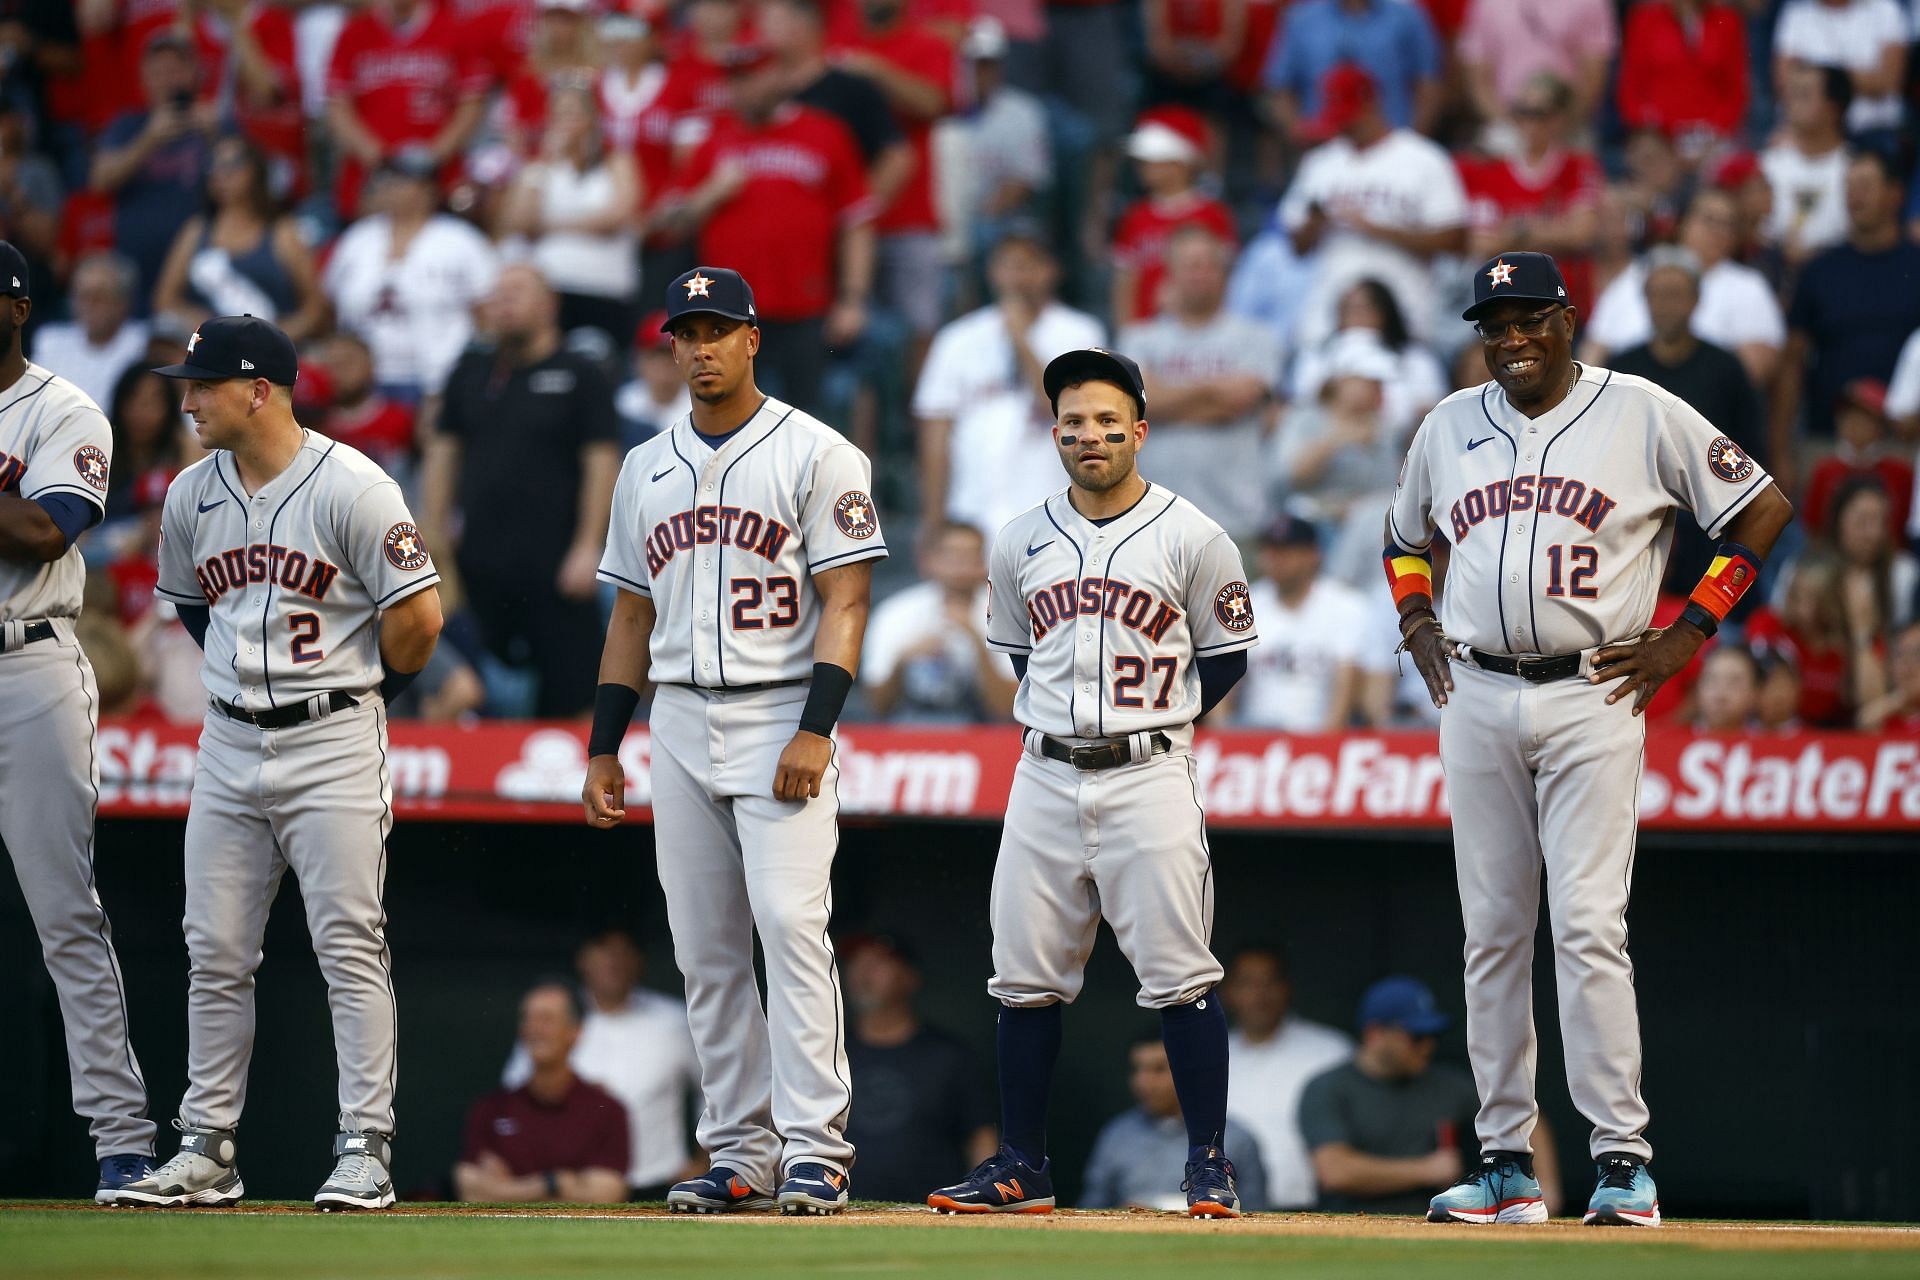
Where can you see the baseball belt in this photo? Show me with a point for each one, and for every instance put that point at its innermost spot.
(1110, 754)
(284, 717)
(1532, 668)
(30, 632)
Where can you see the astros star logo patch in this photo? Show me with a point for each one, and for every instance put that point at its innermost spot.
(1234, 607)
(1728, 460)
(854, 514)
(406, 549)
(1500, 273)
(697, 286)
(91, 462)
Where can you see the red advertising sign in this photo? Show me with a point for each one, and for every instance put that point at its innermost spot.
(530, 771)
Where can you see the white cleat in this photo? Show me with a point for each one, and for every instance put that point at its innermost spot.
(360, 1179)
(203, 1173)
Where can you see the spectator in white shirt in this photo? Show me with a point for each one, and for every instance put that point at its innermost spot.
(985, 430)
(1004, 159)
(1737, 308)
(1211, 381)
(634, 1043)
(408, 277)
(1318, 640)
(1419, 383)
(1374, 201)
(94, 348)
(1865, 38)
(1807, 168)
(926, 658)
(1272, 1053)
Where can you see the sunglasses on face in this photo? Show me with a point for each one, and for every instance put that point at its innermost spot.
(1532, 326)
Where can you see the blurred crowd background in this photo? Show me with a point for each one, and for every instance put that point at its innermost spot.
(464, 211)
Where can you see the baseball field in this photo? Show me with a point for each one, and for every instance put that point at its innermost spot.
(291, 1242)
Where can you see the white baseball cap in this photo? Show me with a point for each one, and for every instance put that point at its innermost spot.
(986, 40)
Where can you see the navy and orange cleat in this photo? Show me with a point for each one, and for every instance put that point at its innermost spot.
(720, 1190)
(813, 1187)
(1003, 1183)
(1209, 1184)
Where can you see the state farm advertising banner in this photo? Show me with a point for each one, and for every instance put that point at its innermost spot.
(529, 771)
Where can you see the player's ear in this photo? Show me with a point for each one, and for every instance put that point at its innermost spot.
(1573, 323)
(1139, 435)
(753, 340)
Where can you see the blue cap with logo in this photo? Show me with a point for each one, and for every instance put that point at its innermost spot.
(1094, 364)
(1403, 1002)
(229, 347)
(14, 280)
(1522, 274)
(709, 291)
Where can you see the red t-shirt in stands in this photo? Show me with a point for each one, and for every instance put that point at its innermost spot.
(587, 1129)
(916, 51)
(1824, 699)
(1140, 241)
(1501, 189)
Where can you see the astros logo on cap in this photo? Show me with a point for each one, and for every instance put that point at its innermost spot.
(193, 342)
(697, 286)
(1500, 273)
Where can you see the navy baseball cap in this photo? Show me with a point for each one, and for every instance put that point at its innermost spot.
(1287, 530)
(1529, 276)
(1094, 364)
(14, 280)
(709, 291)
(1402, 1002)
(229, 347)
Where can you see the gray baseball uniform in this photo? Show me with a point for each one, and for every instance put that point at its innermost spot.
(1110, 618)
(1559, 527)
(296, 576)
(724, 540)
(54, 440)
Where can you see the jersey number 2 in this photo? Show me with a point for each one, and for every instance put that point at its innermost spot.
(1130, 672)
(306, 630)
(781, 594)
(1579, 583)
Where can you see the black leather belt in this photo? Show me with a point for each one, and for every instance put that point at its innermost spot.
(1110, 754)
(1534, 670)
(740, 688)
(36, 631)
(283, 717)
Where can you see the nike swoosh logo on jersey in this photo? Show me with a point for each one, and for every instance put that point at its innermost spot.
(662, 475)
(1034, 551)
(1475, 444)
(208, 506)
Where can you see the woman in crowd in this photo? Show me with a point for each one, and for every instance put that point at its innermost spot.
(1418, 380)
(148, 435)
(242, 256)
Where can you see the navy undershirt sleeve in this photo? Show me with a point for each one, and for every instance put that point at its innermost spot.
(1019, 661)
(1219, 672)
(194, 617)
(72, 516)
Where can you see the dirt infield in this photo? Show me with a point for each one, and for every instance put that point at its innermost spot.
(1758, 1236)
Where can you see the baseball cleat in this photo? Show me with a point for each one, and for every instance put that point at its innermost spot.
(116, 1172)
(202, 1173)
(1209, 1184)
(1003, 1183)
(719, 1190)
(1625, 1196)
(1501, 1189)
(360, 1179)
(812, 1187)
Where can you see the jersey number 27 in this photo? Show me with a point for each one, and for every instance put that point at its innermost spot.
(1130, 673)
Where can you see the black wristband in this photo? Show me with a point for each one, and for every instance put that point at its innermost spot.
(1700, 618)
(826, 699)
(394, 683)
(613, 708)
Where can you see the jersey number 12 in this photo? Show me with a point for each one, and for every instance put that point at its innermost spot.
(1578, 583)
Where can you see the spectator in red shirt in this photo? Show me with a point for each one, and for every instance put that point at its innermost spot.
(357, 414)
(1192, 45)
(1546, 197)
(249, 75)
(1861, 430)
(634, 113)
(402, 75)
(563, 52)
(556, 1138)
(1898, 709)
(1169, 145)
(698, 57)
(1683, 68)
(1810, 630)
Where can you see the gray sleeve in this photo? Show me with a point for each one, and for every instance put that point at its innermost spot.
(384, 546)
(73, 454)
(838, 520)
(177, 582)
(1219, 605)
(1007, 629)
(625, 562)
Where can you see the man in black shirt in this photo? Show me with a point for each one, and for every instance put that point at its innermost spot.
(920, 1118)
(1711, 379)
(794, 32)
(526, 450)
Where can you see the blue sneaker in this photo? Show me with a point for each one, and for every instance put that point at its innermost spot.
(812, 1187)
(1209, 1184)
(1625, 1196)
(719, 1190)
(1502, 1189)
(1003, 1183)
(116, 1172)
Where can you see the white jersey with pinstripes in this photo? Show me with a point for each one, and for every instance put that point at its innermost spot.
(295, 575)
(1111, 617)
(1560, 525)
(53, 439)
(726, 542)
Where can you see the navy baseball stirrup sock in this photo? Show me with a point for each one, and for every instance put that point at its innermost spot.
(1196, 1039)
(1029, 1041)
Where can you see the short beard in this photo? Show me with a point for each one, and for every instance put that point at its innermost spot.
(1118, 476)
(713, 395)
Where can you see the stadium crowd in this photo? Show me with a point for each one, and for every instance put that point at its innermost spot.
(464, 211)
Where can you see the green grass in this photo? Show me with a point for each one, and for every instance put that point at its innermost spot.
(157, 1246)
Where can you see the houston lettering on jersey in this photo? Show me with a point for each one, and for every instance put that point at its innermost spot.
(728, 526)
(1048, 607)
(11, 469)
(265, 562)
(1561, 494)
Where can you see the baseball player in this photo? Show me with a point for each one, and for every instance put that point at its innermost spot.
(294, 562)
(742, 546)
(1557, 486)
(55, 452)
(1127, 616)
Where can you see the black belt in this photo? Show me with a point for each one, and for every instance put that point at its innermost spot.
(1110, 754)
(35, 631)
(283, 717)
(741, 688)
(1534, 670)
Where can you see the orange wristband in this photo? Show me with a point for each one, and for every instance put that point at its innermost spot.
(1733, 570)
(1408, 573)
